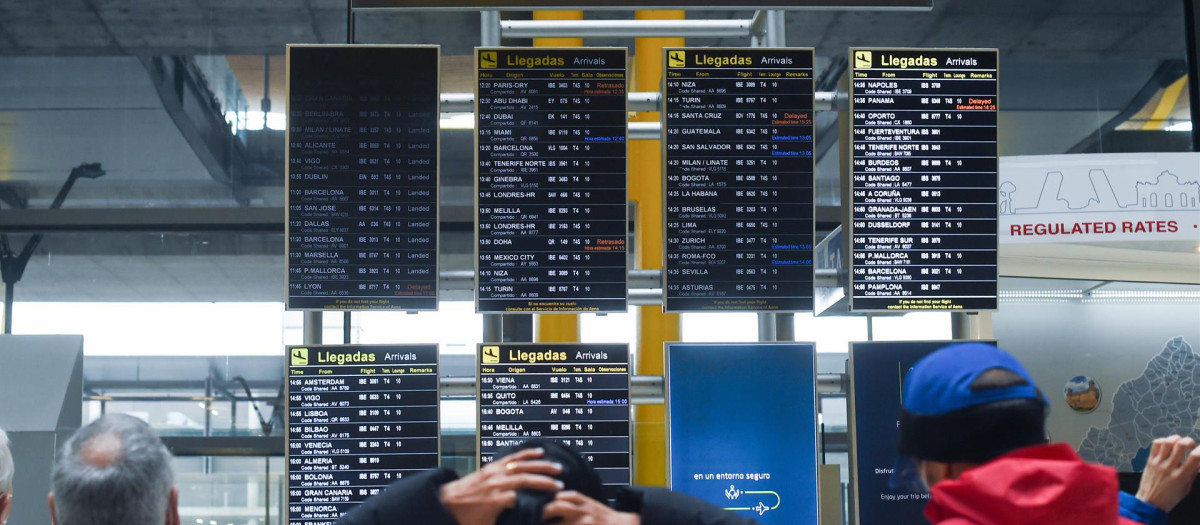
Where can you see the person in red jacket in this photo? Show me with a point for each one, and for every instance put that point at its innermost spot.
(972, 430)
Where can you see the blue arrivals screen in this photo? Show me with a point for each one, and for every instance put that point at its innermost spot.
(741, 428)
(877, 371)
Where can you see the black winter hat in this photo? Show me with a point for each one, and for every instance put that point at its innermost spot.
(577, 474)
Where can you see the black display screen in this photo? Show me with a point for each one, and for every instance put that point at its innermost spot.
(551, 180)
(923, 213)
(574, 393)
(358, 418)
(362, 177)
(738, 169)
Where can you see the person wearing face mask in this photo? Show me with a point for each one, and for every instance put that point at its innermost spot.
(973, 431)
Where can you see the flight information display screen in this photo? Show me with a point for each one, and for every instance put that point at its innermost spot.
(358, 418)
(362, 177)
(877, 372)
(574, 393)
(742, 428)
(738, 179)
(551, 180)
(923, 189)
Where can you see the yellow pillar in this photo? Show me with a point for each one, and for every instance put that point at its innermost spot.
(645, 188)
(557, 15)
(557, 328)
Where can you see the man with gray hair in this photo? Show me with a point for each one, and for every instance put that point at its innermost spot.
(114, 471)
(6, 477)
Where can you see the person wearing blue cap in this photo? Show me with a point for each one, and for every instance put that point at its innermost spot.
(973, 431)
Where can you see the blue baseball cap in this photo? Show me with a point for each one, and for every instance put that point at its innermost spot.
(957, 409)
(942, 382)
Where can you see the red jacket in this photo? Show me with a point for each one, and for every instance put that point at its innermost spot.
(1045, 484)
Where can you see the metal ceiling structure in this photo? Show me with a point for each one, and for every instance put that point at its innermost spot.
(127, 83)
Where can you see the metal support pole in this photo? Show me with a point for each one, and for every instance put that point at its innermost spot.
(766, 327)
(458, 102)
(643, 389)
(349, 22)
(493, 328)
(645, 131)
(281, 512)
(645, 101)
(312, 328)
(265, 104)
(638, 101)
(625, 28)
(346, 328)
(9, 288)
(267, 492)
(208, 396)
(1191, 18)
(981, 326)
(489, 28)
(785, 327)
(758, 29)
(518, 328)
(870, 327)
(646, 297)
(960, 325)
(776, 30)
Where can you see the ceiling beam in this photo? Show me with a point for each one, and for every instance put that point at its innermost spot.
(187, 99)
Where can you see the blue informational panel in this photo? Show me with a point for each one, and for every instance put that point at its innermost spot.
(742, 428)
(877, 372)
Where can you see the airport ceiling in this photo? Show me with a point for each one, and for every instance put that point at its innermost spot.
(1054, 29)
(78, 84)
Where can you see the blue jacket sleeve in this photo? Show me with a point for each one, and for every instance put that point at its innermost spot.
(1140, 511)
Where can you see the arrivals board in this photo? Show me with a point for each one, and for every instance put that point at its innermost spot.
(362, 177)
(738, 179)
(574, 393)
(923, 184)
(877, 372)
(358, 418)
(742, 428)
(551, 180)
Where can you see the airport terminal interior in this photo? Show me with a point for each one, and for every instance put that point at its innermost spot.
(157, 159)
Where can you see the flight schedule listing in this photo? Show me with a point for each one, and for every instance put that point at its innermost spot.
(358, 418)
(362, 184)
(574, 393)
(551, 180)
(924, 178)
(738, 169)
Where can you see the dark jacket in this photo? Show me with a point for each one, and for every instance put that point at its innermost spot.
(414, 499)
(659, 506)
(1044, 484)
